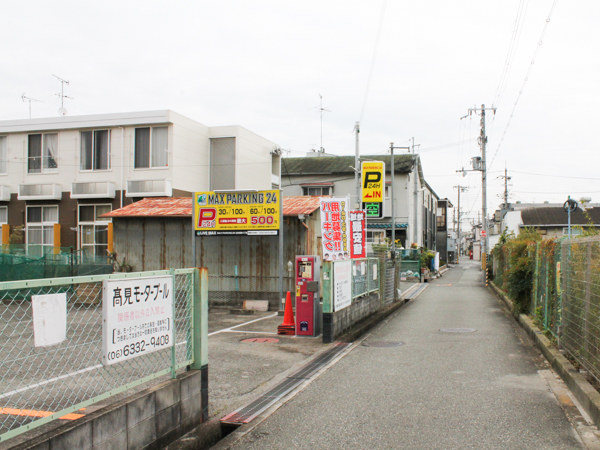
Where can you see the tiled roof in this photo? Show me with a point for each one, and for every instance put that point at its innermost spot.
(155, 207)
(182, 207)
(386, 225)
(557, 216)
(340, 164)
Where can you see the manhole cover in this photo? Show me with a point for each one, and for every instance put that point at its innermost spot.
(458, 330)
(383, 344)
(261, 340)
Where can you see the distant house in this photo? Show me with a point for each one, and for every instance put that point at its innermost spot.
(446, 244)
(416, 203)
(552, 222)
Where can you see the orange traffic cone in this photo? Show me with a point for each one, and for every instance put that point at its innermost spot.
(288, 326)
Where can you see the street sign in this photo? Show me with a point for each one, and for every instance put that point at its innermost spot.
(483, 233)
(373, 188)
(235, 213)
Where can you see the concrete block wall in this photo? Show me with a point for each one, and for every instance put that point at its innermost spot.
(338, 322)
(150, 419)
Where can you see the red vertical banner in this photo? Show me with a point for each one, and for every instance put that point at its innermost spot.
(358, 247)
(335, 229)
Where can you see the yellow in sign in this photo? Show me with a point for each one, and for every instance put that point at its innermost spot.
(372, 181)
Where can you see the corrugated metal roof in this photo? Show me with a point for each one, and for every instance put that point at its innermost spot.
(340, 164)
(292, 206)
(155, 207)
(182, 207)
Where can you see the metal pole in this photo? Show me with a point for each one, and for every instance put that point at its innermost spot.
(392, 200)
(458, 246)
(484, 191)
(280, 247)
(357, 166)
(569, 218)
(193, 230)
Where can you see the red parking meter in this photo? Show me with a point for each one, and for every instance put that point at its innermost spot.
(307, 296)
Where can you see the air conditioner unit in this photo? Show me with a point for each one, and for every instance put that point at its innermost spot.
(149, 188)
(93, 189)
(44, 191)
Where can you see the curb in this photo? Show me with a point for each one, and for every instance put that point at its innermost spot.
(583, 391)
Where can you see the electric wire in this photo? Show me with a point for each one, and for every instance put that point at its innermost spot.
(535, 53)
(373, 59)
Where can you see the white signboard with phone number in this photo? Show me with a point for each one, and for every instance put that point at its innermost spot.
(137, 317)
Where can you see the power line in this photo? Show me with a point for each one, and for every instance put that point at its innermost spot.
(535, 53)
(381, 18)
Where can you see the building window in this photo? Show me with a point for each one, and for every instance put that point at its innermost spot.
(40, 224)
(222, 163)
(316, 190)
(575, 231)
(42, 153)
(376, 237)
(151, 147)
(3, 155)
(441, 219)
(93, 230)
(387, 191)
(95, 150)
(3, 215)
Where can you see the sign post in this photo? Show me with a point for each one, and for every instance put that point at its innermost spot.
(373, 183)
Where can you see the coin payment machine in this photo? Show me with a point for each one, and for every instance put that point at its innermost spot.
(308, 308)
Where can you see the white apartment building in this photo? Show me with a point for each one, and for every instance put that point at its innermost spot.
(59, 175)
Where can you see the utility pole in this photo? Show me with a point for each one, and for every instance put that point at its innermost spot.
(482, 166)
(506, 178)
(392, 198)
(357, 166)
(415, 193)
(460, 189)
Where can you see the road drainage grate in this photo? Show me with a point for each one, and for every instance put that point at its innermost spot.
(458, 330)
(247, 413)
(383, 344)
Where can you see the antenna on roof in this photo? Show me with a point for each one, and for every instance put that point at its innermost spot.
(322, 110)
(28, 99)
(62, 111)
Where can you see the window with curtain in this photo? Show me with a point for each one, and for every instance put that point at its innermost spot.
(40, 224)
(3, 154)
(3, 215)
(151, 147)
(42, 153)
(95, 150)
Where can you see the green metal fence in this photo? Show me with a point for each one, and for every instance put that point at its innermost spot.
(41, 384)
(579, 287)
(32, 262)
(365, 276)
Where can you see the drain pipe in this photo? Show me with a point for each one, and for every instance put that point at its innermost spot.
(122, 161)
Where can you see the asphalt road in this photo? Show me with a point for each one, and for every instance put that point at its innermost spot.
(478, 390)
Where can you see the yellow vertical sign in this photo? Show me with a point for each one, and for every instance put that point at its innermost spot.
(373, 187)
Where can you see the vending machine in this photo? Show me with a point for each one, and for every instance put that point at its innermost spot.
(308, 308)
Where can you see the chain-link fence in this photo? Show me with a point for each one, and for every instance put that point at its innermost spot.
(32, 262)
(580, 293)
(40, 384)
(365, 276)
(546, 302)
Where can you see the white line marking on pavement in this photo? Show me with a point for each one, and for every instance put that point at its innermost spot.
(99, 366)
(241, 324)
(249, 332)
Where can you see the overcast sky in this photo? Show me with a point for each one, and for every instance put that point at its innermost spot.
(263, 64)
